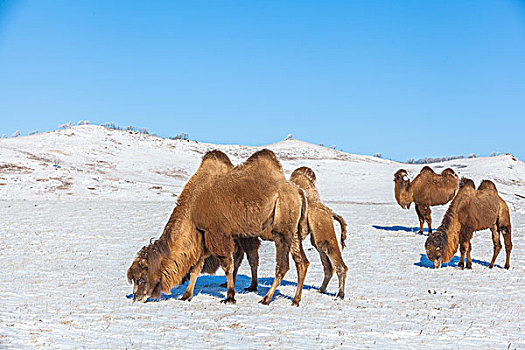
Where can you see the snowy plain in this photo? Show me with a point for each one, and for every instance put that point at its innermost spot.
(77, 204)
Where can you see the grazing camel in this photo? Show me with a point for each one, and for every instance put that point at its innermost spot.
(215, 208)
(323, 237)
(471, 210)
(426, 190)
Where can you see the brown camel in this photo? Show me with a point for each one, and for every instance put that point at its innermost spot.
(426, 190)
(471, 210)
(323, 237)
(217, 207)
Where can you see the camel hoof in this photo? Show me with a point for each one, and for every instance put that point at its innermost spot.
(491, 266)
(264, 301)
(461, 265)
(295, 303)
(340, 295)
(186, 298)
(507, 266)
(229, 301)
(469, 266)
(321, 290)
(250, 289)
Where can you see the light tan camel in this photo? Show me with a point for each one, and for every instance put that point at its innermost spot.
(323, 237)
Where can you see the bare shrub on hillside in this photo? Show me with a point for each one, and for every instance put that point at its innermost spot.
(181, 136)
(111, 126)
(65, 125)
(429, 160)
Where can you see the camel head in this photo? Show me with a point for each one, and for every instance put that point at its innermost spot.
(145, 275)
(303, 177)
(435, 247)
(402, 189)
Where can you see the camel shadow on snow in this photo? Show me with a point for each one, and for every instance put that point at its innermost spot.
(211, 285)
(425, 263)
(397, 228)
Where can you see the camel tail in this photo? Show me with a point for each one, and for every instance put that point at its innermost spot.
(303, 221)
(342, 222)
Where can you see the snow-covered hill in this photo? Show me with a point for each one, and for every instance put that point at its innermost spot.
(77, 204)
(95, 162)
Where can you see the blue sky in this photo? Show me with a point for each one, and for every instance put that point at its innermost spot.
(407, 79)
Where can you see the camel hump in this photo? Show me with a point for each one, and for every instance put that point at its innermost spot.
(426, 169)
(304, 171)
(449, 171)
(217, 155)
(486, 185)
(262, 154)
(466, 183)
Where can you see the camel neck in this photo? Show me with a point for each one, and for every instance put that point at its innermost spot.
(403, 193)
(449, 235)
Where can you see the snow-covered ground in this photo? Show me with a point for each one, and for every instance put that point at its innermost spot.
(76, 205)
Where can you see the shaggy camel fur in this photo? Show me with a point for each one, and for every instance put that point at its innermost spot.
(323, 237)
(471, 210)
(426, 190)
(213, 210)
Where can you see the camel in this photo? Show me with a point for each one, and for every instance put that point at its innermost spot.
(321, 227)
(219, 204)
(323, 237)
(426, 190)
(471, 210)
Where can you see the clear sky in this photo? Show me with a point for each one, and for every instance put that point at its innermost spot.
(407, 79)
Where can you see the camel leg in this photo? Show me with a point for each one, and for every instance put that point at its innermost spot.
(195, 272)
(508, 246)
(282, 266)
(238, 255)
(429, 221)
(469, 259)
(340, 268)
(227, 266)
(237, 261)
(253, 259)
(301, 264)
(426, 215)
(328, 270)
(327, 265)
(497, 245)
(463, 249)
(421, 219)
(465, 236)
